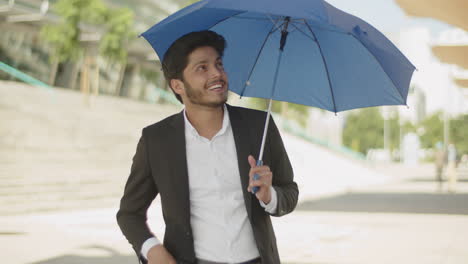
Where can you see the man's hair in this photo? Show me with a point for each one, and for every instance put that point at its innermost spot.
(176, 58)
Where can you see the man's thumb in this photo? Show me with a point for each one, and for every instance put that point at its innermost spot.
(252, 161)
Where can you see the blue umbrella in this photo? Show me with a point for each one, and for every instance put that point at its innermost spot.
(300, 51)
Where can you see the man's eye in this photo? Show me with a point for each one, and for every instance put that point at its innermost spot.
(201, 68)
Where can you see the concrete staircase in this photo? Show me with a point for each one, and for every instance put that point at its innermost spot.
(57, 153)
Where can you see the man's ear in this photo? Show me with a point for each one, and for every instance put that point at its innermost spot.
(178, 86)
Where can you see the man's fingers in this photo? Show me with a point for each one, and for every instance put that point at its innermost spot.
(259, 170)
(257, 184)
(252, 161)
(260, 173)
(263, 172)
(264, 177)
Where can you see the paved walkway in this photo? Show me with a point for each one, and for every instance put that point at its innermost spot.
(63, 166)
(408, 221)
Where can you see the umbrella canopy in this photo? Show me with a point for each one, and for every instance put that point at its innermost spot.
(329, 59)
(300, 51)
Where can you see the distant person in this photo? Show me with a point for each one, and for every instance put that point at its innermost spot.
(452, 167)
(464, 160)
(200, 162)
(439, 161)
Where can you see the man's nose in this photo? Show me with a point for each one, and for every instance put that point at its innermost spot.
(215, 71)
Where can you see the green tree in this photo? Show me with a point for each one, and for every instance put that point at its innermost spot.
(459, 133)
(189, 2)
(296, 112)
(364, 130)
(394, 130)
(64, 37)
(119, 32)
(408, 127)
(431, 130)
(115, 25)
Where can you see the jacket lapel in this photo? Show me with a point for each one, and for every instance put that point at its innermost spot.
(179, 176)
(242, 142)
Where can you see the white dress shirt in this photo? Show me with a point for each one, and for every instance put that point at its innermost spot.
(219, 221)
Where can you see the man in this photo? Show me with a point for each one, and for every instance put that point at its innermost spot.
(452, 167)
(201, 161)
(439, 161)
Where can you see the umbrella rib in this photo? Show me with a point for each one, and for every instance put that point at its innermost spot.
(277, 26)
(242, 12)
(378, 62)
(274, 22)
(226, 18)
(256, 59)
(253, 18)
(305, 34)
(325, 64)
(326, 29)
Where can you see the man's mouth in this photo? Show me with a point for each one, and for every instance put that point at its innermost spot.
(216, 86)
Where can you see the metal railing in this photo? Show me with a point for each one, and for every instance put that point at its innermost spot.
(22, 76)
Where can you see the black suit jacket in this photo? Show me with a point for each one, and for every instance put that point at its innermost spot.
(160, 167)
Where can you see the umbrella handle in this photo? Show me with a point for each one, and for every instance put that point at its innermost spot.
(257, 177)
(260, 156)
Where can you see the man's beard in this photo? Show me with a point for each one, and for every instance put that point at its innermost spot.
(196, 97)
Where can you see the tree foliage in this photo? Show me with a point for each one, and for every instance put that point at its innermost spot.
(64, 37)
(189, 2)
(459, 133)
(431, 130)
(296, 112)
(364, 130)
(119, 24)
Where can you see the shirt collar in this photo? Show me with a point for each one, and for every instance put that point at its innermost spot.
(226, 124)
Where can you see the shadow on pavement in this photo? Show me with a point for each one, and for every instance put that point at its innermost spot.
(112, 257)
(72, 259)
(435, 180)
(109, 256)
(9, 233)
(416, 203)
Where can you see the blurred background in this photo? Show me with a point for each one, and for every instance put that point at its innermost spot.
(377, 185)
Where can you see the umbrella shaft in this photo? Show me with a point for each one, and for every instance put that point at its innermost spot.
(284, 33)
(267, 121)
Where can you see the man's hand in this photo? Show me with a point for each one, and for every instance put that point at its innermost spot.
(159, 255)
(264, 182)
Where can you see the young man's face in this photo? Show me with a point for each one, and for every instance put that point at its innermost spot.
(205, 81)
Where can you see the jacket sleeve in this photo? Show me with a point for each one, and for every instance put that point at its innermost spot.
(283, 175)
(140, 191)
